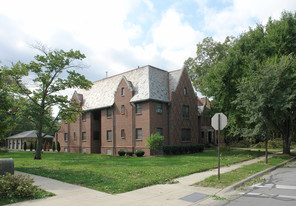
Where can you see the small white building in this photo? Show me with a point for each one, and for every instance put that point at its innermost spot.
(17, 141)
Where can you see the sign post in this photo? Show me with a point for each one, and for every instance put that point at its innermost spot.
(219, 121)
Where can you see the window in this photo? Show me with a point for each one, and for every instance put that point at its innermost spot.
(122, 109)
(97, 135)
(138, 133)
(139, 108)
(83, 117)
(83, 150)
(122, 133)
(159, 131)
(109, 135)
(186, 135)
(108, 152)
(185, 90)
(65, 149)
(83, 138)
(158, 107)
(74, 136)
(202, 134)
(66, 137)
(185, 111)
(109, 112)
(122, 91)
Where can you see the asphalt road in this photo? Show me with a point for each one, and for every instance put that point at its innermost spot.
(278, 189)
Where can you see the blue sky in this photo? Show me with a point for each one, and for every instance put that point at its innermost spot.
(120, 35)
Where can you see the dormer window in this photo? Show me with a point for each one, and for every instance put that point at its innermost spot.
(122, 91)
(185, 90)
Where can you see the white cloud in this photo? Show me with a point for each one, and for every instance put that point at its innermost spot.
(242, 14)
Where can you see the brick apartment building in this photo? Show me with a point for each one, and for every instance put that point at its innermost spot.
(121, 111)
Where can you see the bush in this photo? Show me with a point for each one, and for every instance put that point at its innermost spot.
(3, 150)
(15, 186)
(58, 147)
(154, 142)
(129, 154)
(31, 146)
(182, 149)
(53, 146)
(25, 146)
(140, 153)
(121, 152)
(241, 144)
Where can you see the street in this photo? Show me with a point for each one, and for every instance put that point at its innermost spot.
(279, 188)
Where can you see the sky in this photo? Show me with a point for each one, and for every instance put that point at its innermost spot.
(120, 35)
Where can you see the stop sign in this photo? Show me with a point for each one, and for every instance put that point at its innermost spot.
(215, 121)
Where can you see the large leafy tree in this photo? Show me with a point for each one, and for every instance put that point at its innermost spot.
(52, 72)
(248, 53)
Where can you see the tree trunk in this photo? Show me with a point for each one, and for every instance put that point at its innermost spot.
(266, 151)
(287, 137)
(39, 145)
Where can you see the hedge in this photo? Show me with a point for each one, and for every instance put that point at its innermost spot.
(182, 149)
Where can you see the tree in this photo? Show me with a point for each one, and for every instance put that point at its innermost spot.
(52, 72)
(25, 146)
(245, 55)
(53, 146)
(31, 146)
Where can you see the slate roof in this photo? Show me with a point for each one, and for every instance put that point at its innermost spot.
(28, 134)
(147, 83)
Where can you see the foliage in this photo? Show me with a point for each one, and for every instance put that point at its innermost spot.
(52, 71)
(121, 152)
(223, 72)
(16, 186)
(25, 146)
(31, 146)
(129, 153)
(140, 153)
(3, 150)
(58, 147)
(183, 149)
(154, 142)
(114, 174)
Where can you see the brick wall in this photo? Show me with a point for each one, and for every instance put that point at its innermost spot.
(177, 121)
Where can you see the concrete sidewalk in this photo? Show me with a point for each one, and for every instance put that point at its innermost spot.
(180, 193)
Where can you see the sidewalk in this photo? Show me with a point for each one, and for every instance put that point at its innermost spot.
(180, 193)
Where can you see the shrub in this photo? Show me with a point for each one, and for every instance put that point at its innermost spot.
(140, 153)
(154, 142)
(31, 146)
(3, 150)
(25, 146)
(58, 147)
(12, 186)
(129, 154)
(121, 152)
(53, 146)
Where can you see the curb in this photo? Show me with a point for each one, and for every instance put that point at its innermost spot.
(259, 174)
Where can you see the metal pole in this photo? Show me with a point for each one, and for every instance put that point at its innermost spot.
(218, 146)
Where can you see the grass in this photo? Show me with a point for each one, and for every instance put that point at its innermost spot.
(39, 194)
(239, 174)
(113, 174)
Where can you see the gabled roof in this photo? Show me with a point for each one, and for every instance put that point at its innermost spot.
(148, 83)
(27, 134)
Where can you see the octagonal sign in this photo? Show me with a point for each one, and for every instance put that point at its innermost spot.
(215, 120)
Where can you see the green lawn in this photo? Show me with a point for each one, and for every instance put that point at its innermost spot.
(113, 174)
(239, 174)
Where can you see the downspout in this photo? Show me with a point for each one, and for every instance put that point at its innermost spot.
(168, 107)
(79, 136)
(132, 127)
(113, 131)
